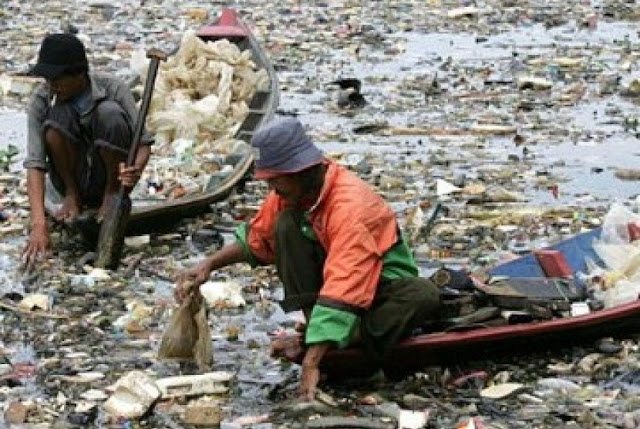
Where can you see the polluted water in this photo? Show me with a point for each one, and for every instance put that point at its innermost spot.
(493, 128)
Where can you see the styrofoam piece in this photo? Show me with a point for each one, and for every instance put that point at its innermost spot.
(190, 385)
(134, 394)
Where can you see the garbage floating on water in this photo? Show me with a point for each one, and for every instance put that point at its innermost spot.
(530, 102)
(134, 394)
(193, 385)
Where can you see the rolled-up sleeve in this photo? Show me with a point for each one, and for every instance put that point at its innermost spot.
(329, 325)
(36, 156)
(242, 237)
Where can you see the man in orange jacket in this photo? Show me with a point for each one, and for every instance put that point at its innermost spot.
(337, 248)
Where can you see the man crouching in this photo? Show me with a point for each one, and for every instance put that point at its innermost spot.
(337, 248)
(79, 131)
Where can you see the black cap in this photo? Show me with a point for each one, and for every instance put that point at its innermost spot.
(58, 54)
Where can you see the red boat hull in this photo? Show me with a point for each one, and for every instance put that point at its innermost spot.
(566, 258)
(423, 350)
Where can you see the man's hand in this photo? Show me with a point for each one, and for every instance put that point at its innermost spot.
(129, 176)
(291, 347)
(309, 379)
(190, 279)
(37, 246)
(310, 375)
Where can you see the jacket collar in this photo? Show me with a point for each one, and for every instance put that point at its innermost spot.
(98, 92)
(329, 179)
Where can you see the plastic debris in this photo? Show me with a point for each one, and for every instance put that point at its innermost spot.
(501, 391)
(222, 294)
(529, 108)
(134, 394)
(193, 385)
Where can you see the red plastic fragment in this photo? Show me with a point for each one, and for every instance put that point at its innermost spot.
(20, 372)
(476, 379)
(634, 231)
(553, 263)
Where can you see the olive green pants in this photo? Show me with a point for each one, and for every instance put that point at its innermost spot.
(399, 307)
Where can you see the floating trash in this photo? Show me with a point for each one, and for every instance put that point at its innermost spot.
(529, 110)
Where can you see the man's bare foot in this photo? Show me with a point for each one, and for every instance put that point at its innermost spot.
(70, 208)
(106, 202)
(290, 347)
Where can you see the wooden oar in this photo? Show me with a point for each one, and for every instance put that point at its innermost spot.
(114, 223)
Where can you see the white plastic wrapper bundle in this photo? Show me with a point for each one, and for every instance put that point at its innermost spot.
(201, 97)
(203, 91)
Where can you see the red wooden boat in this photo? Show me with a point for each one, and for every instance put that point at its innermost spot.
(446, 347)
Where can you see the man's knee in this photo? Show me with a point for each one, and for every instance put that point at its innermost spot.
(426, 296)
(109, 111)
(53, 137)
(111, 124)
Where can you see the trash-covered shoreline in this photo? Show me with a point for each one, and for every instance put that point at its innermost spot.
(519, 117)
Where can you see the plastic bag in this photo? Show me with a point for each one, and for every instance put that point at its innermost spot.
(623, 292)
(187, 336)
(615, 229)
(203, 351)
(620, 251)
(139, 62)
(615, 247)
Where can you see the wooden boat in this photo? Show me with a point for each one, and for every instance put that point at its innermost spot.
(148, 216)
(447, 347)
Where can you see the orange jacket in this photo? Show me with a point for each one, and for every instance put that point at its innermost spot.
(354, 225)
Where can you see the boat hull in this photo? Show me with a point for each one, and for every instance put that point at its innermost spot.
(447, 347)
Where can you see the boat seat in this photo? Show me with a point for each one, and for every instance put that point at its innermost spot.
(253, 119)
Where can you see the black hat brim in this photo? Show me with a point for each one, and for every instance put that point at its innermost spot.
(48, 71)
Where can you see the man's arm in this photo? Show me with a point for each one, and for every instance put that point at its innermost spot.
(38, 242)
(35, 164)
(142, 157)
(35, 192)
(229, 254)
(125, 98)
(310, 369)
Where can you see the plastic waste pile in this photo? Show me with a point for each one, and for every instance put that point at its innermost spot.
(201, 98)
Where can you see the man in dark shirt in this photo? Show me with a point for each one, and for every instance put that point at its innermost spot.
(79, 132)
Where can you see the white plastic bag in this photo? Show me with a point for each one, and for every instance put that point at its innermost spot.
(614, 246)
(623, 292)
(615, 227)
(621, 256)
